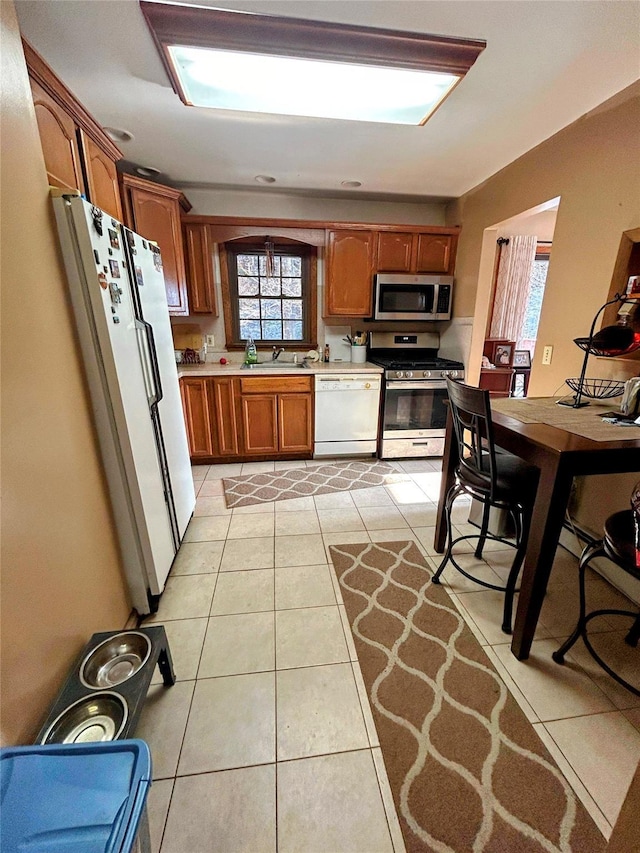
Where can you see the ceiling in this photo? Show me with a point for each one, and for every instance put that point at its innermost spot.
(545, 65)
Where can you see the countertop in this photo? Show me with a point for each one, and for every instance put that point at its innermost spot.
(318, 368)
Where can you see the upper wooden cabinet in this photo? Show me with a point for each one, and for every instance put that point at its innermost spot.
(395, 251)
(199, 266)
(406, 251)
(78, 154)
(349, 273)
(153, 211)
(59, 141)
(436, 253)
(103, 188)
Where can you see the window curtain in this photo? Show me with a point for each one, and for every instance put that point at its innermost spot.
(512, 287)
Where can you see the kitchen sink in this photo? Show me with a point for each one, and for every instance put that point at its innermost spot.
(270, 365)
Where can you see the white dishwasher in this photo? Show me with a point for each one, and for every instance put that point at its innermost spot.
(347, 412)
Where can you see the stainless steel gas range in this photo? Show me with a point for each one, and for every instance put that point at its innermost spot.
(414, 413)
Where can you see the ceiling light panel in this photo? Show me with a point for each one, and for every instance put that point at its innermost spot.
(231, 80)
(268, 64)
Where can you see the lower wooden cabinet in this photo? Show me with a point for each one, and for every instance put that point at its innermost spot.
(259, 423)
(210, 417)
(295, 422)
(229, 418)
(195, 406)
(277, 415)
(222, 415)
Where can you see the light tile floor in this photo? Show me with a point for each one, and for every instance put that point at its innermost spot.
(267, 742)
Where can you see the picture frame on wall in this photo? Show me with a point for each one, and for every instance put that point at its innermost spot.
(521, 358)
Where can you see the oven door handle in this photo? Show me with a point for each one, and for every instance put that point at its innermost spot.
(420, 385)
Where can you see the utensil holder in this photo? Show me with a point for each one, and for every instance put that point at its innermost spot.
(358, 354)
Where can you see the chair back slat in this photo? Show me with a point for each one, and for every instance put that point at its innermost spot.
(471, 412)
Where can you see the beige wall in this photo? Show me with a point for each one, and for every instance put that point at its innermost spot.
(61, 578)
(218, 202)
(593, 165)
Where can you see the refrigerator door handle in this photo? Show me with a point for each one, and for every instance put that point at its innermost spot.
(152, 369)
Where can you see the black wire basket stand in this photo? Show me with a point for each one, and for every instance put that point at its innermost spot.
(598, 389)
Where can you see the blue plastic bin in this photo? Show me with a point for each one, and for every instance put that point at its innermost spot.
(76, 798)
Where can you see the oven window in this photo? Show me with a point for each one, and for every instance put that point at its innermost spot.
(414, 409)
(407, 298)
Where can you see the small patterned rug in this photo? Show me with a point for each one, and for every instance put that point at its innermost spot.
(302, 482)
(467, 770)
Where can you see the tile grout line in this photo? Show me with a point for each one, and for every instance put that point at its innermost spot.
(275, 709)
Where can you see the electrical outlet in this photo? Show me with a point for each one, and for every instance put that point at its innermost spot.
(547, 353)
(211, 341)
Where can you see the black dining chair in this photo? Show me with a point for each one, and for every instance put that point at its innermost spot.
(619, 545)
(496, 479)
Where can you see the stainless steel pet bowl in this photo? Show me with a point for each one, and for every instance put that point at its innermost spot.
(115, 660)
(99, 717)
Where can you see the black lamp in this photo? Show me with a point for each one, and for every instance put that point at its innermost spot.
(609, 342)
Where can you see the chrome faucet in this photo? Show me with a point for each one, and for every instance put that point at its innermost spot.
(276, 352)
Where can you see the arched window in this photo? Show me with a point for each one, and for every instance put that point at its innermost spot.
(271, 292)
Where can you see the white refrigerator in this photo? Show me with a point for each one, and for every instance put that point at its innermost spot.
(118, 296)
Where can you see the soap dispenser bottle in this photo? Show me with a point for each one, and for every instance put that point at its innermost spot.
(250, 352)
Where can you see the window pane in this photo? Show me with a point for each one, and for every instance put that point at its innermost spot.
(265, 301)
(247, 265)
(271, 330)
(247, 285)
(292, 287)
(291, 266)
(249, 329)
(292, 330)
(271, 308)
(270, 287)
(263, 265)
(292, 309)
(248, 308)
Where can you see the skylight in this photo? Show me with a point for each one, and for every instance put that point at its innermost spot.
(266, 64)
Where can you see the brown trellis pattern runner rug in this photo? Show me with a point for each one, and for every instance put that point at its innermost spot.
(467, 770)
(302, 482)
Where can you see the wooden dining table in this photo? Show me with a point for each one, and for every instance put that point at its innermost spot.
(563, 443)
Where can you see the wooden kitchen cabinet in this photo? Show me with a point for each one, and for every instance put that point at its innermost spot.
(209, 405)
(435, 253)
(222, 414)
(103, 188)
(78, 154)
(229, 418)
(59, 142)
(295, 433)
(195, 405)
(154, 212)
(259, 423)
(349, 273)
(277, 415)
(199, 269)
(395, 251)
(415, 252)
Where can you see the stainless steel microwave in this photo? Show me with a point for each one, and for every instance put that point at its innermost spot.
(412, 297)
